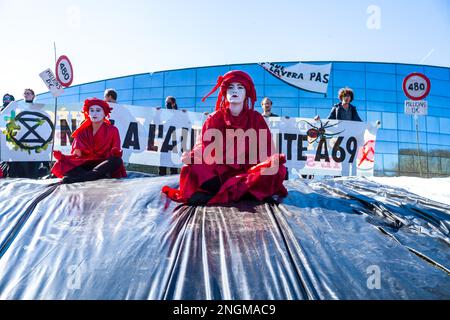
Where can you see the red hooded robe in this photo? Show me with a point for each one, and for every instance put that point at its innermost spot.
(236, 179)
(98, 148)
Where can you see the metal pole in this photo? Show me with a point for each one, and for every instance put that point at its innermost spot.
(54, 118)
(418, 146)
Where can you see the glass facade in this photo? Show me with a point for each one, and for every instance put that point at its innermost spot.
(378, 96)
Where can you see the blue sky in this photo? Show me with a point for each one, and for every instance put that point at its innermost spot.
(107, 39)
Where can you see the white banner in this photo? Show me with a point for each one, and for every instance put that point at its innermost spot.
(309, 77)
(419, 108)
(51, 82)
(152, 136)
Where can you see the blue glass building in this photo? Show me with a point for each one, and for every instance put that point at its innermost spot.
(378, 95)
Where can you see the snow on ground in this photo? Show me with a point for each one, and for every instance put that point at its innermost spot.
(437, 189)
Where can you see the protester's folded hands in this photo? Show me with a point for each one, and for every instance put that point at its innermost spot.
(77, 152)
(58, 155)
(116, 152)
(186, 157)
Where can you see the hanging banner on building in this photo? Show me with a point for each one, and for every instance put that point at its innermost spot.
(309, 77)
(152, 136)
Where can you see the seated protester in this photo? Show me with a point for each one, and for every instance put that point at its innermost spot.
(223, 178)
(96, 152)
(344, 110)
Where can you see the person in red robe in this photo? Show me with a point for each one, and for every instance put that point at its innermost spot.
(96, 151)
(222, 172)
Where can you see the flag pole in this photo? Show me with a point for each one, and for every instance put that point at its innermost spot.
(54, 118)
(416, 120)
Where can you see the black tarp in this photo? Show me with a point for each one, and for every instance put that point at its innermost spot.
(123, 239)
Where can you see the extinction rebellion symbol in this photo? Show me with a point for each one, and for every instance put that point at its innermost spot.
(29, 131)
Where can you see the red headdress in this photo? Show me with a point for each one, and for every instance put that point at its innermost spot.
(87, 121)
(224, 81)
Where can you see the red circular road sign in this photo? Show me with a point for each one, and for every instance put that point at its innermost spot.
(416, 86)
(64, 71)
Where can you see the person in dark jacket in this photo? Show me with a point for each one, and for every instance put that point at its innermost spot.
(25, 169)
(344, 110)
(171, 103)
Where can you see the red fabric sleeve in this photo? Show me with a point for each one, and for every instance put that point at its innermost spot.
(82, 143)
(115, 138)
(210, 123)
(115, 143)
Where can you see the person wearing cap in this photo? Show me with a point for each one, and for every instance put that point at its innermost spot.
(96, 152)
(7, 99)
(221, 177)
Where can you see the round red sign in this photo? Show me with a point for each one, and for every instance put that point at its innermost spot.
(416, 86)
(64, 71)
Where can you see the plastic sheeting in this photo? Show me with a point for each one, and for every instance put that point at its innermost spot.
(123, 239)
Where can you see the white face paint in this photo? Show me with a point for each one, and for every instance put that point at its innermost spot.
(236, 96)
(96, 113)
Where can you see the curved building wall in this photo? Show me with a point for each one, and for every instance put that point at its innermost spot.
(378, 95)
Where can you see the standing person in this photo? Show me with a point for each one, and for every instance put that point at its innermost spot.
(171, 103)
(28, 95)
(7, 99)
(110, 95)
(25, 169)
(38, 169)
(96, 152)
(218, 181)
(266, 105)
(343, 110)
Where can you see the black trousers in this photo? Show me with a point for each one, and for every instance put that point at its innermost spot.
(163, 171)
(22, 169)
(92, 170)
